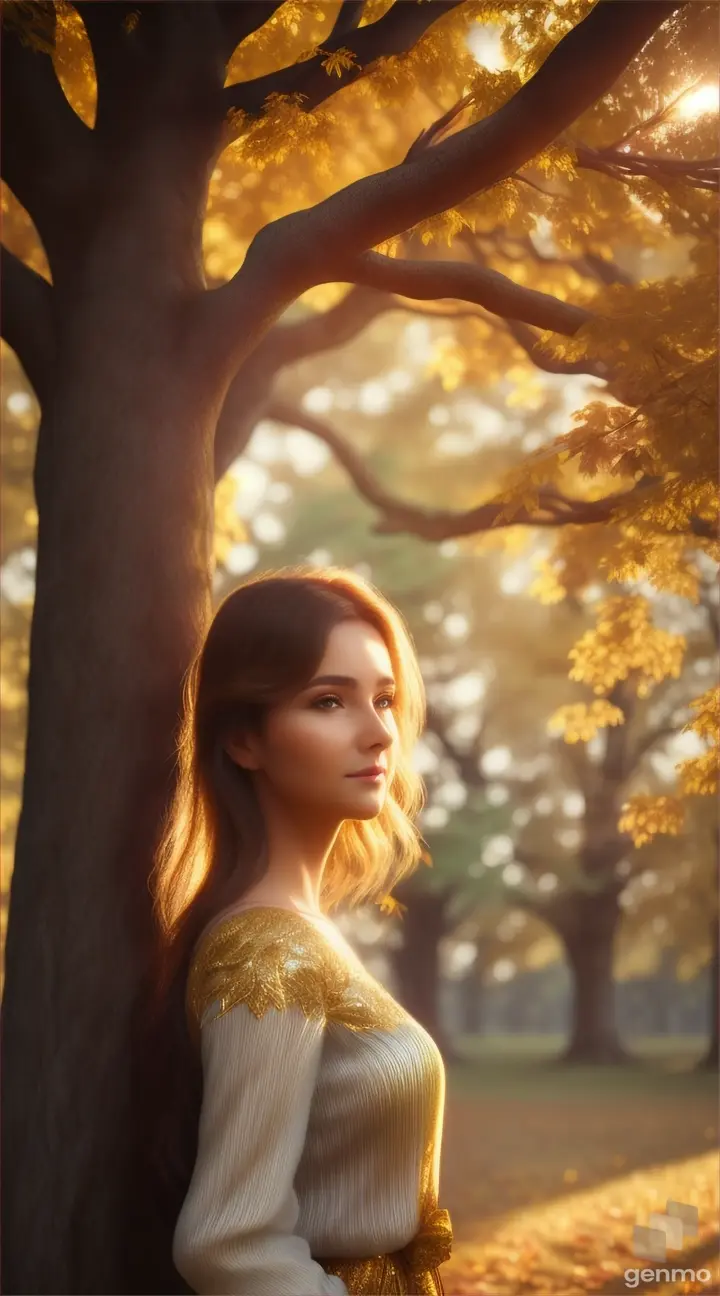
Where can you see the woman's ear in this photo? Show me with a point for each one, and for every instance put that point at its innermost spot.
(243, 751)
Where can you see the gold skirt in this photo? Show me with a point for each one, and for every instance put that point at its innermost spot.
(412, 1271)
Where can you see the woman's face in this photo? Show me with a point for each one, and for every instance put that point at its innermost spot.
(313, 748)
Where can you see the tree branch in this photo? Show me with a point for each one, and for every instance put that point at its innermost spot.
(429, 280)
(319, 244)
(583, 66)
(591, 266)
(649, 739)
(404, 23)
(325, 330)
(240, 18)
(26, 318)
(702, 174)
(530, 344)
(349, 16)
(285, 344)
(47, 150)
(397, 515)
(467, 762)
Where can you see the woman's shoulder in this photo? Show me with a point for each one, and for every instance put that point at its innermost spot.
(265, 957)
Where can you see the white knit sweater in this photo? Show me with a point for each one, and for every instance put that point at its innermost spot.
(321, 1124)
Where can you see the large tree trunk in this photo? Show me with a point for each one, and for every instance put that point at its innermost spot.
(589, 939)
(124, 488)
(417, 962)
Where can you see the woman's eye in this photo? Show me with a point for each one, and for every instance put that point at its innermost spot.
(389, 702)
(320, 702)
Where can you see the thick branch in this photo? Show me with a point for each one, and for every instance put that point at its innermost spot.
(349, 16)
(399, 29)
(46, 149)
(525, 337)
(26, 318)
(286, 344)
(321, 243)
(581, 68)
(429, 280)
(240, 18)
(158, 65)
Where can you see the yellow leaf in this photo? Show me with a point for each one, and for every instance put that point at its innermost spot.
(338, 61)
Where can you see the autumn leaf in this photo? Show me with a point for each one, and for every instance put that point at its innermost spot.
(338, 61)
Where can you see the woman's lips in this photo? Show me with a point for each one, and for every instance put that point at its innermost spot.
(369, 776)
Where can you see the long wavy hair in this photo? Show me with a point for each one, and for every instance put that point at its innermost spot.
(264, 645)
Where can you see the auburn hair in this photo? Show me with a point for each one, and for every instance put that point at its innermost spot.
(264, 644)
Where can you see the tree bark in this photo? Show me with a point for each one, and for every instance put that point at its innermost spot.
(125, 494)
(417, 962)
(589, 943)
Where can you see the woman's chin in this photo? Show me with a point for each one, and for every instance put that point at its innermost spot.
(369, 805)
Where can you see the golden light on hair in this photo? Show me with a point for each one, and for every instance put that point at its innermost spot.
(213, 825)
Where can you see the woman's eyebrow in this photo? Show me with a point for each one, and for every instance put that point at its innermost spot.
(384, 681)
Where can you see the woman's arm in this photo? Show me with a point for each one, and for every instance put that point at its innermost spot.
(235, 1234)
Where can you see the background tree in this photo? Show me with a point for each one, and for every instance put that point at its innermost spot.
(131, 359)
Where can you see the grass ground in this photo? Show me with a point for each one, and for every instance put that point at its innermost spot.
(546, 1169)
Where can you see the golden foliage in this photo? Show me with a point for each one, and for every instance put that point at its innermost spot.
(580, 721)
(626, 645)
(338, 61)
(699, 774)
(229, 527)
(643, 817)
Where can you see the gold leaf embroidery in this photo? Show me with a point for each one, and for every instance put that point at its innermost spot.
(271, 958)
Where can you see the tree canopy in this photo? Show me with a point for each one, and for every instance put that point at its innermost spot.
(201, 198)
(551, 239)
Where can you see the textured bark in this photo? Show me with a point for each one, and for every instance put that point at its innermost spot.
(125, 498)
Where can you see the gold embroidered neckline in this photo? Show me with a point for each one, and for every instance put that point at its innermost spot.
(257, 958)
(219, 924)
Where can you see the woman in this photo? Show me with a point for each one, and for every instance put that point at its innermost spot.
(316, 1161)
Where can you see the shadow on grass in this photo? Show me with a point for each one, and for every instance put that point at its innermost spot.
(521, 1128)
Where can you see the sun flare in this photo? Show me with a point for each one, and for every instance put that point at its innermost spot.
(706, 99)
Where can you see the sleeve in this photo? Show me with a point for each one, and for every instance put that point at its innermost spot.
(235, 1233)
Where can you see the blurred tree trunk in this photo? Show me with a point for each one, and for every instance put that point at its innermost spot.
(417, 963)
(711, 1060)
(470, 990)
(589, 938)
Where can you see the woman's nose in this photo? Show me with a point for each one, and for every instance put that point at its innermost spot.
(379, 731)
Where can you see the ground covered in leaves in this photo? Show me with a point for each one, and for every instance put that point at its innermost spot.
(546, 1170)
